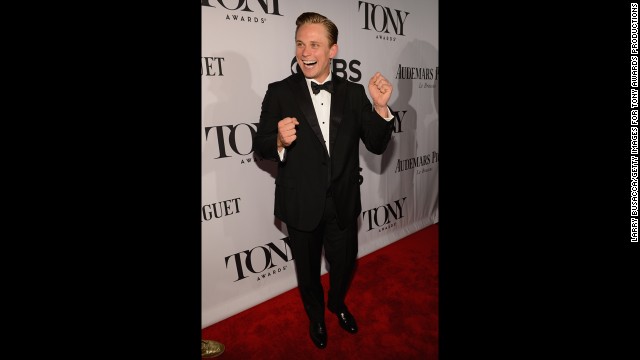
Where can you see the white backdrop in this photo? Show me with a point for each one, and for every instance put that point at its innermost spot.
(247, 44)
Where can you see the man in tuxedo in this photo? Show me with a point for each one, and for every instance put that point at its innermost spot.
(312, 123)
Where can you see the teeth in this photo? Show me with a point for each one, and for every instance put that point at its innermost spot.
(309, 62)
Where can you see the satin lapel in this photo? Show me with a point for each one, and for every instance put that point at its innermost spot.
(337, 108)
(306, 105)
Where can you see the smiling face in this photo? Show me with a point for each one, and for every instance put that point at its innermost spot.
(313, 51)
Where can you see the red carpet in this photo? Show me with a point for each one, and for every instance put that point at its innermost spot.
(393, 296)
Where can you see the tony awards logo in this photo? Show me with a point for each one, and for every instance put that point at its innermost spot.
(385, 21)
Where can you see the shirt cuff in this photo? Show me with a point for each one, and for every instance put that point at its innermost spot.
(390, 115)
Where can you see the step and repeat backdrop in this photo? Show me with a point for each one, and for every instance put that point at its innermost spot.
(247, 44)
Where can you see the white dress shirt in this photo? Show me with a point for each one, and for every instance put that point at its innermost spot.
(322, 106)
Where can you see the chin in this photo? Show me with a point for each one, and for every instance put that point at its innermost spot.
(309, 75)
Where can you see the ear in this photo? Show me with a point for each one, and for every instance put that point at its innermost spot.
(333, 51)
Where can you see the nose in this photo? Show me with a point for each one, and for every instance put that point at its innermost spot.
(305, 51)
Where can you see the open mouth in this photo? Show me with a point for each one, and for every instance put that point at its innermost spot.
(309, 63)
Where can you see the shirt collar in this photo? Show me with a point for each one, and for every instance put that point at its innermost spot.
(310, 80)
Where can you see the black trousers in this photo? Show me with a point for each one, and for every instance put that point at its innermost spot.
(340, 250)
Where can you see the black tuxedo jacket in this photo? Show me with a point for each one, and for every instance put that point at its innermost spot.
(307, 173)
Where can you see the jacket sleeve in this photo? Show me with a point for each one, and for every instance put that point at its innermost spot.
(375, 131)
(265, 139)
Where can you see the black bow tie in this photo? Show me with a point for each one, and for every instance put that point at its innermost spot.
(315, 87)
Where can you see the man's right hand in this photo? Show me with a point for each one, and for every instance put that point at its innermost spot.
(286, 132)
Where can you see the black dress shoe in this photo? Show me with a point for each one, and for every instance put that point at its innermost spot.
(318, 333)
(347, 322)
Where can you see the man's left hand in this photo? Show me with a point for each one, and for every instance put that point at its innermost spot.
(380, 90)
